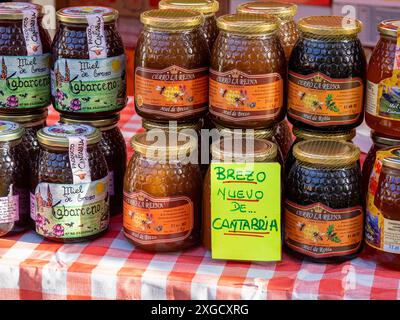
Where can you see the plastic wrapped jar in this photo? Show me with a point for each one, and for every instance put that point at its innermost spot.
(14, 180)
(206, 7)
(285, 12)
(32, 123)
(69, 192)
(324, 216)
(88, 71)
(162, 193)
(383, 212)
(171, 66)
(248, 73)
(113, 146)
(383, 88)
(262, 151)
(327, 72)
(25, 59)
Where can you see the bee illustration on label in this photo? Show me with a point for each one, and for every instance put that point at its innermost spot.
(81, 175)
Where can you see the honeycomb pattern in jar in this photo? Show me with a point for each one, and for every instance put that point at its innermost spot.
(388, 194)
(336, 188)
(288, 35)
(210, 30)
(382, 60)
(31, 144)
(283, 137)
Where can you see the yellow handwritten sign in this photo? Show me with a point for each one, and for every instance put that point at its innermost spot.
(246, 211)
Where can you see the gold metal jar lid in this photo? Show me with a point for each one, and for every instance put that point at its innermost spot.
(389, 27)
(27, 120)
(275, 8)
(327, 153)
(304, 134)
(10, 131)
(391, 162)
(386, 141)
(172, 19)
(256, 133)
(16, 10)
(253, 24)
(232, 149)
(202, 6)
(79, 14)
(330, 26)
(102, 124)
(154, 125)
(149, 145)
(58, 135)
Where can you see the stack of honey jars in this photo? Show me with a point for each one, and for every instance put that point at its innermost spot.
(382, 166)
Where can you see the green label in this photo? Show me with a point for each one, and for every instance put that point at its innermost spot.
(95, 85)
(25, 82)
(246, 211)
(71, 210)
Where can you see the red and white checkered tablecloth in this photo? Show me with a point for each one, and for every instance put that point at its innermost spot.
(112, 268)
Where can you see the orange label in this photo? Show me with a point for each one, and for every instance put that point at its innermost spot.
(237, 95)
(319, 231)
(173, 91)
(319, 100)
(153, 220)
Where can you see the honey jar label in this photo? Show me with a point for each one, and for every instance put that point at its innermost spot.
(95, 35)
(319, 100)
(149, 220)
(71, 210)
(87, 86)
(30, 28)
(25, 82)
(173, 92)
(9, 209)
(79, 159)
(322, 232)
(238, 95)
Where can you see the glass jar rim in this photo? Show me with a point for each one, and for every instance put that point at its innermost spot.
(248, 24)
(306, 134)
(10, 131)
(79, 14)
(17, 10)
(202, 6)
(103, 124)
(330, 26)
(172, 19)
(276, 8)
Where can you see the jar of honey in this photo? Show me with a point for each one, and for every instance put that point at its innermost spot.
(259, 150)
(284, 137)
(248, 73)
(383, 208)
(113, 146)
(383, 89)
(327, 72)
(14, 179)
(162, 192)
(70, 188)
(207, 7)
(324, 216)
(88, 71)
(285, 12)
(171, 66)
(25, 52)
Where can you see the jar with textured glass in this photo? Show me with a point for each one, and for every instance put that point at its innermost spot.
(88, 70)
(256, 150)
(32, 123)
(327, 72)
(285, 12)
(14, 180)
(171, 66)
(248, 73)
(112, 144)
(25, 51)
(207, 7)
(162, 193)
(69, 191)
(324, 216)
(383, 90)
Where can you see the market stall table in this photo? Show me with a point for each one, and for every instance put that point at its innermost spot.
(112, 268)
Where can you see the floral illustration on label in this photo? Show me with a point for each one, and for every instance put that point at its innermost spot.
(320, 231)
(25, 81)
(97, 85)
(150, 219)
(30, 29)
(173, 91)
(235, 94)
(71, 210)
(320, 100)
(96, 38)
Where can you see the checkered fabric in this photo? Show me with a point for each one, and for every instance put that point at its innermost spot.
(112, 268)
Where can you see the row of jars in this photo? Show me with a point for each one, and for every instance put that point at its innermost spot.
(81, 72)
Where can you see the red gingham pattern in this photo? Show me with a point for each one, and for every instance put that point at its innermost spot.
(112, 268)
